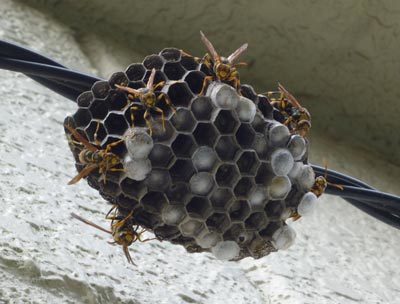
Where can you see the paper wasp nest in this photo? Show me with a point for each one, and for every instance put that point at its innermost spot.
(223, 176)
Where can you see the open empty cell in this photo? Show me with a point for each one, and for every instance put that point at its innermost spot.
(239, 210)
(85, 99)
(221, 199)
(115, 124)
(205, 134)
(180, 94)
(154, 202)
(173, 70)
(153, 62)
(184, 145)
(268, 231)
(218, 222)
(110, 188)
(248, 163)
(182, 170)
(82, 117)
(118, 100)
(95, 132)
(227, 175)
(161, 156)
(199, 207)
(101, 89)
(132, 188)
(226, 122)
(245, 136)
(135, 72)
(260, 146)
(171, 54)
(166, 232)
(179, 193)
(244, 187)
(99, 109)
(189, 63)
(119, 78)
(256, 221)
(274, 209)
(227, 148)
(126, 202)
(264, 174)
(195, 80)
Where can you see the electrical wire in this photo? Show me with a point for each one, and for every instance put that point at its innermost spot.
(70, 84)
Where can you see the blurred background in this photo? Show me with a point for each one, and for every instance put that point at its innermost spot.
(339, 58)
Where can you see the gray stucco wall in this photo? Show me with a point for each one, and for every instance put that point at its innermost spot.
(340, 58)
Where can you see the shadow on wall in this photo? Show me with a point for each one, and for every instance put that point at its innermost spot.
(329, 55)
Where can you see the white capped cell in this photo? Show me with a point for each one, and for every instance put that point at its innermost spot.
(279, 187)
(283, 238)
(259, 197)
(226, 250)
(204, 158)
(208, 240)
(223, 95)
(293, 174)
(281, 162)
(190, 227)
(307, 204)
(136, 169)
(201, 183)
(260, 145)
(246, 109)
(297, 146)
(138, 142)
(172, 215)
(277, 134)
(306, 177)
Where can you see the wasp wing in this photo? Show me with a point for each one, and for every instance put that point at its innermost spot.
(209, 46)
(84, 172)
(292, 99)
(81, 139)
(89, 223)
(235, 55)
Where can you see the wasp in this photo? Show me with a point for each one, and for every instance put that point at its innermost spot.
(148, 100)
(298, 119)
(93, 157)
(122, 231)
(225, 70)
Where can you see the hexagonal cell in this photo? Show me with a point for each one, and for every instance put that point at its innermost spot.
(135, 72)
(119, 78)
(270, 230)
(244, 187)
(191, 227)
(132, 188)
(239, 210)
(180, 94)
(195, 80)
(227, 175)
(109, 188)
(182, 170)
(95, 132)
(126, 202)
(173, 214)
(274, 209)
(204, 159)
(279, 187)
(205, 134)
(278, 116)
(162, 130)
(259, 123)
(158, 77)
(201, 183)
(171, 54)
(173, 70)
(248, 163)
(145, 218)
(166, 232)
(221, 199)
(226, 122)
(256, 221)
(154, 202)
(183, 120)
(84, 99)
(260, 247)
(153, 62)
(264, 174)
(115, 124)
(218, 222)
(260, 146)
(189, 63)
(158, 180)
(161, 156)
(117, 100)
(82, 117)
(248, 91)
(264, 105)
(179, 193)
(184, 145)
(208, 239)
(99, 109)
(199, 207)
(258, 198)
(101, 89)
(202, 108)
(245, 135)
(227, 148)
(233, 232)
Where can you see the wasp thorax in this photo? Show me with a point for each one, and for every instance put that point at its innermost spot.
(223, 70)
(148, 99)
(124, 237)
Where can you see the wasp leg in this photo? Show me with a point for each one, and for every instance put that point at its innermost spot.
(167, 101)
(157, 109)
(133, 109)
(160, 84)
(132, 92)
(206, 83)
(146, 117)
(95, 134)
(128, 255)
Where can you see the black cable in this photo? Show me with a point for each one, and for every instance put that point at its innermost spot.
(70, 84)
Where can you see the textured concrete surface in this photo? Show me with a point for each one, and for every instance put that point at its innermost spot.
(341, 255)
(339, 57)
